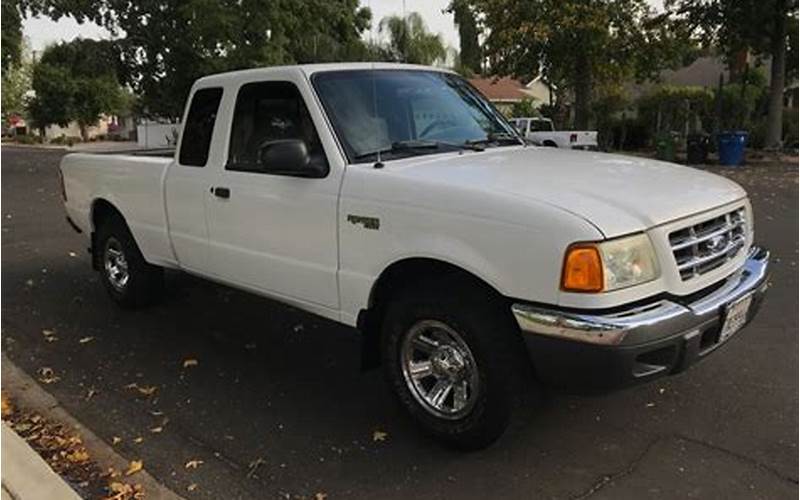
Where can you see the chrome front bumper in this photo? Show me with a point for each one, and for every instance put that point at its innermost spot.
(652, 321)
(585, 352)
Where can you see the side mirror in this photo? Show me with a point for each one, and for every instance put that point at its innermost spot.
(288, 157)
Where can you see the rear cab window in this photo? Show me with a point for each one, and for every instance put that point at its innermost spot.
(199, 127)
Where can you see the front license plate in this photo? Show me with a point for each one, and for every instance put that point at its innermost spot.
(735, 317)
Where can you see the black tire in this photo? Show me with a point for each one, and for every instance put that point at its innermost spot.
(144, 283)
(486, 326)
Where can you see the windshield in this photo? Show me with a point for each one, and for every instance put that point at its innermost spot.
(396, 112)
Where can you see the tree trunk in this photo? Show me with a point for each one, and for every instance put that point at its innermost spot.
(778, 73)
(84, 132)
(583, 93)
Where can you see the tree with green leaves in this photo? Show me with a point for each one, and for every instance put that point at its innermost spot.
(16, 83)
(410, 41)
(166, 45)
(577, 44)
(11, 20)
(76, 81)
(764, 27)
(465, 20)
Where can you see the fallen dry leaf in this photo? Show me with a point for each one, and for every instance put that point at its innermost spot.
(49, 335)
(116, 440)
(119, 487)
(84, 340)
(134, 467)
(379, 436)
(90, 394)
(78, 456)
(147, 391)
(47, 376)
(191, 487)
(189, 362)
(193, 464)
(7, 409)
(320, 496)
(138, 439)
(254, 465)
(156, 430)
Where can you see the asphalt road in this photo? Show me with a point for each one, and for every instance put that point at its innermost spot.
(277, 405)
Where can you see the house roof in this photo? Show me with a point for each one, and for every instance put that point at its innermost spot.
(500, 89)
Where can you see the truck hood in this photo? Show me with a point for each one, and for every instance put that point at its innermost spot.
(617, 194)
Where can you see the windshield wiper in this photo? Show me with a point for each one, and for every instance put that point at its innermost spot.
(496, 138)
(417, 145)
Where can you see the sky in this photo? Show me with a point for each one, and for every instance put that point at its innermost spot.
(42, 31)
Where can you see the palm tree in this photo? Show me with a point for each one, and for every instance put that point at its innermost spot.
(410, 41)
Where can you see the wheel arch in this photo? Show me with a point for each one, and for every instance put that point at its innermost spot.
(399, 275)
(101, 210)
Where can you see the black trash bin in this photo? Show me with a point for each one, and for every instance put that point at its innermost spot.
(697, 148)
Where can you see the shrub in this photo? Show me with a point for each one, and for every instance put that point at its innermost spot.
(28, 139)
(672, 108)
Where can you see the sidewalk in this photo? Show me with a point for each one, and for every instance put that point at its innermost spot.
(24, 469)
(82, 147)
(26, 476)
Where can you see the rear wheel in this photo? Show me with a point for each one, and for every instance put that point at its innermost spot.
(454, 361)
(129, 280)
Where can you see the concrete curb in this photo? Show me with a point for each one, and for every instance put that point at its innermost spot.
(26, 474)
(31, 396)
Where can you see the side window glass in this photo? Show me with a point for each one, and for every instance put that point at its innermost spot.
(267, 112)
(199, 127)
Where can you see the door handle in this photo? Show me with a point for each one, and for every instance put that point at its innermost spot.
(221, 192)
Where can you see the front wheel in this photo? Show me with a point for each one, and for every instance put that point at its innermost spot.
(127, 277)
(454, 364)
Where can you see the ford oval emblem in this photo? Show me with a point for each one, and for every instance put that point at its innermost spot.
(717, 243)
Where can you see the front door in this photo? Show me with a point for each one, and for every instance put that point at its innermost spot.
(274, 232)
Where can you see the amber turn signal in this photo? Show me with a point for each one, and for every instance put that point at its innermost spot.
(583, 270)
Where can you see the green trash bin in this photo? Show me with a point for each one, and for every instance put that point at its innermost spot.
(665, 147)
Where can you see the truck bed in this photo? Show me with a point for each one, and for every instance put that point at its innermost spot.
(132, 182)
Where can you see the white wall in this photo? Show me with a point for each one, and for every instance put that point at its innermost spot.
(157, 135)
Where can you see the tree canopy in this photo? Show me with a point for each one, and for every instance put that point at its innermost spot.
(577, 44)
(410, 41)
(76, 81)
(464, 19)
(165, 45)
(11, 20)
(765, 28)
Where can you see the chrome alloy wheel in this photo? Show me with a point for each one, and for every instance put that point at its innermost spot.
(439, 369)
(115, 264)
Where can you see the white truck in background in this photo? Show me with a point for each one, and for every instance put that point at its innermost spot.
(397, 200)
(542, 132)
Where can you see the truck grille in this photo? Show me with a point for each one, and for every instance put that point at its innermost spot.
(707, 245)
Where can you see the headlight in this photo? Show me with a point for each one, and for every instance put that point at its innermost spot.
(609, 265)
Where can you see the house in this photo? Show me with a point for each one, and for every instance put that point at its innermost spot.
(503, 92)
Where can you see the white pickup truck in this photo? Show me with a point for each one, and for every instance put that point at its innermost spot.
(542, 132)
(397, 200)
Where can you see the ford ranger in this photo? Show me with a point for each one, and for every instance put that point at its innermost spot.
(397, 200)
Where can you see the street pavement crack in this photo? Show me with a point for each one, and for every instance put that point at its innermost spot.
(606, 479)
(629, 469)
(742, 458)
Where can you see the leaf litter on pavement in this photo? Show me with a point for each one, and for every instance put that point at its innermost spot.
(64, 451)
